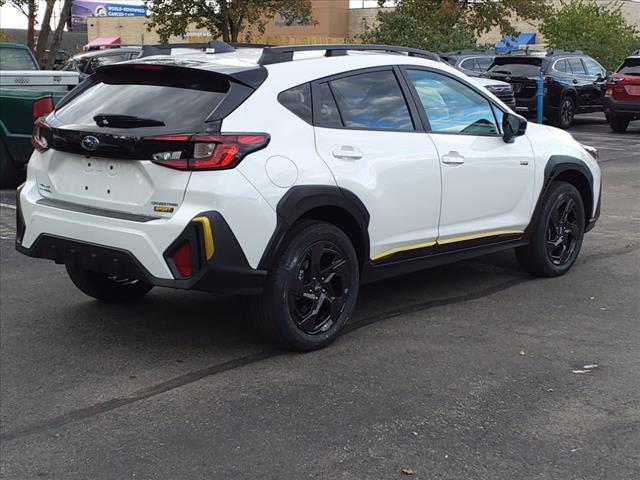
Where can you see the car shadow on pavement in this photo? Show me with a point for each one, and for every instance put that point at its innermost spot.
(197, 321)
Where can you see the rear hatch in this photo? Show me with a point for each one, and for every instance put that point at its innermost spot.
(521, 72)
(103, 136)
(624, 85)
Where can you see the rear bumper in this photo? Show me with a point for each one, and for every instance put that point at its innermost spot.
(139, 250)
(225, 274)
(626, 109)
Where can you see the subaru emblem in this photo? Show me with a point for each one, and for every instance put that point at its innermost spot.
(90, 143)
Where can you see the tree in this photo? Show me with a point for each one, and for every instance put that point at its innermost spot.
(601, 31)
(443, 25)
(45, 28)
(398, 28)
(225, 18)
(29, 8)
(57, 35)
(478, 15)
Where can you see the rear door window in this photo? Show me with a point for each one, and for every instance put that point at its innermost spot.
(372, 100)
(180, 100)
(576, 66)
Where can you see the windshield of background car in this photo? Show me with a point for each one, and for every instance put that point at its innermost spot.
(516, 67)
(631, 66)
(181, 99)
(16, 59)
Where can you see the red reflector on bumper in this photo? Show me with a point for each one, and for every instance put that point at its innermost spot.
(183, 261)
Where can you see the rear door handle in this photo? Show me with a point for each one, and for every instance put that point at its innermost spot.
(347, 152)
(453, 158)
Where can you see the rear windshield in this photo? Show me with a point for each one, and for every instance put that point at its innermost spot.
(16, 59)
(516, 68)
(631, 66)
(180, 99)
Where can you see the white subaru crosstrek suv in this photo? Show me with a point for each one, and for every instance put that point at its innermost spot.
(295, 178)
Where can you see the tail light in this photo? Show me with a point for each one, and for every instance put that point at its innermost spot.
(40, 136)
(615, 78)
(41, 107)
(547, 80)
(207, 152)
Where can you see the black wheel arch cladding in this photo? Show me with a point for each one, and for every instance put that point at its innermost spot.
(571, 170)
(332, 204)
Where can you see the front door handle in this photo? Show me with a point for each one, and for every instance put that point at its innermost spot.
(347, 152)
(453, 158)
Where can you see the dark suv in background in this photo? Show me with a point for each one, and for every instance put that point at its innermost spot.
(469, 62)
(622, 97)
(573, 83)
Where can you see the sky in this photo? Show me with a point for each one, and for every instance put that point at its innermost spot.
(12, 18)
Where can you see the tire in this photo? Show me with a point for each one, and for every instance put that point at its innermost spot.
(618, 124)
(106, 288)
(10, 173)
(311, 289)
(566, 112)
(557, 235)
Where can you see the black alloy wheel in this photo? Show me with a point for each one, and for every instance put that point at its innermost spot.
(312, 287)
(557, 234)
(318, 288)
(563, 233)
(566, 113)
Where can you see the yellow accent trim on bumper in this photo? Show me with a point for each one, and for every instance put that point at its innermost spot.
(475, 236)
(208, 236)
(393, 251)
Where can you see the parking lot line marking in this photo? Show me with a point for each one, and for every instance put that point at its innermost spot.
(8, 205)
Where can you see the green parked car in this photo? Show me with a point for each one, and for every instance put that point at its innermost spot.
(25, 92)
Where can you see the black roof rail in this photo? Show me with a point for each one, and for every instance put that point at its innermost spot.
(165, 49)
(469, 51)
(271, 55)
(559, 51)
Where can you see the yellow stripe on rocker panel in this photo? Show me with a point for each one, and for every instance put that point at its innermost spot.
(393, 251)
(208, 236)
(496, 233)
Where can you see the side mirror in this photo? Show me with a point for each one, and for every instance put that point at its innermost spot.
(513, 126)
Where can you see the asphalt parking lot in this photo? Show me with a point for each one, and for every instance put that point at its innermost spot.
(469, 371)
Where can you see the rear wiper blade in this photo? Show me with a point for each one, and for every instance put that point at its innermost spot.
(125, 121)
(507, 72)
